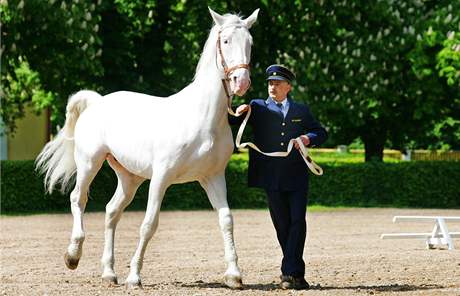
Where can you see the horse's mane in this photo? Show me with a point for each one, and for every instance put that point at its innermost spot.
(209, 53)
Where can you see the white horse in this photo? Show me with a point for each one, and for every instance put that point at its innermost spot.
(178, 139)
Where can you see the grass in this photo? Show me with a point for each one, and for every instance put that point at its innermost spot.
(334, 157)
(320, 208)
(331, 156)
(352, 156)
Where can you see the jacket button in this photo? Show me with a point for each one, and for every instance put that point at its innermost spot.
(283, 124)
(282, 144)
(282, 134)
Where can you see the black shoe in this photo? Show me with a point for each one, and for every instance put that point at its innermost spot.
(289, 282)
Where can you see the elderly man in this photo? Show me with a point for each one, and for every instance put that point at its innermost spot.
(274, 122)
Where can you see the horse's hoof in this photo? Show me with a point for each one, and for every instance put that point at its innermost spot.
(134, 286)
(233, 282)
(70, 262)
(110, 280)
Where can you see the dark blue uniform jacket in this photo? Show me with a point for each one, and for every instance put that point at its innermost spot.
(272, 133)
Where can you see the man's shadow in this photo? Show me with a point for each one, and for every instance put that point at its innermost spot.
(381, 288)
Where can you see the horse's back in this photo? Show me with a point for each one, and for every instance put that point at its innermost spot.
(129, 98)
(130, 95)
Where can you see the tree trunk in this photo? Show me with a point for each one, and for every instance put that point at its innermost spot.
(374, 142)
(373, 150)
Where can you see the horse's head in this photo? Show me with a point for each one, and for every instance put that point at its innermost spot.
(234, 49)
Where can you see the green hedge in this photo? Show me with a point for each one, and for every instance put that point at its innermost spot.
(405, 184)
(408, 184)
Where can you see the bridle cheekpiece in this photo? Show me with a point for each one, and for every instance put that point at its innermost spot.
(227, 71)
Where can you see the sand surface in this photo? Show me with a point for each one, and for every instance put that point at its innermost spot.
(344, 255)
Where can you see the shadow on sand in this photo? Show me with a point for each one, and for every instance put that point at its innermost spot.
(260, 287)
(274, 286)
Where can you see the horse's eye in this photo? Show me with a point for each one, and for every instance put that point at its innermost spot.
(226, 41)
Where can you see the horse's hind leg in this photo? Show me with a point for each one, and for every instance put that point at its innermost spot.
(216, 189)
(87, 168)
(124, 194)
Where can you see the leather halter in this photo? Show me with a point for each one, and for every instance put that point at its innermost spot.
(227, 71)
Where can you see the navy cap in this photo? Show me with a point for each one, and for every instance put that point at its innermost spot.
(278, 72)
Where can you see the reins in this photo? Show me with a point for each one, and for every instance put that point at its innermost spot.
(314, 168)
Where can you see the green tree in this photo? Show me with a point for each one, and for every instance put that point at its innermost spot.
(353, 66)
(23, 88)
(435, 60)
(50, 49)
(153, 46)
(384, 71)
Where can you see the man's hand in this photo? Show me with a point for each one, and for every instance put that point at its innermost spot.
(305, 141)
(242, 108)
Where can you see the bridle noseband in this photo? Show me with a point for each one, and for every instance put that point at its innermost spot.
(228, 71)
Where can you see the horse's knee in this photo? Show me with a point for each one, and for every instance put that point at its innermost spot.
(112, 213)
(148, 229)
(77, 197)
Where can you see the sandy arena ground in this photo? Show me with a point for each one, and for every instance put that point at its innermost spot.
(344, 255)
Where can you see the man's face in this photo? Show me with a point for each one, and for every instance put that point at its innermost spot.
(278, 89)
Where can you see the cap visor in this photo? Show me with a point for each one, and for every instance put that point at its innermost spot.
(278, 78)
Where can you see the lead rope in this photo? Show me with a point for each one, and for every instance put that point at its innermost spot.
(314, 168)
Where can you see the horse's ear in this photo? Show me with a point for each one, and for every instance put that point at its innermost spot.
(252, 18)
(218, 19)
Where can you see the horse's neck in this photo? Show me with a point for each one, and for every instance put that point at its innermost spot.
(210, 98)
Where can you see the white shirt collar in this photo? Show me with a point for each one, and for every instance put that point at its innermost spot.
(283, 102)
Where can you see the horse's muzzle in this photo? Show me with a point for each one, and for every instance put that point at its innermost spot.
(240, 82)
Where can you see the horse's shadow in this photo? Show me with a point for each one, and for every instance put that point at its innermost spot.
(275, 286)
(217, 285)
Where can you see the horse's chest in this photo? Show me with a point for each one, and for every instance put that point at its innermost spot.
(213, 147)
(206, 147)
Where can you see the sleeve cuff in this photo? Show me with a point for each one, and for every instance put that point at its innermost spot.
(311, 137)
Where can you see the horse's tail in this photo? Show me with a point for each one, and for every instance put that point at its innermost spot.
(56, 160)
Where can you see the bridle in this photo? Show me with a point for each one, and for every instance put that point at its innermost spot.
(228, 71)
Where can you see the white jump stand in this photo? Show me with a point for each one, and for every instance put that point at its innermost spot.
(439, 236)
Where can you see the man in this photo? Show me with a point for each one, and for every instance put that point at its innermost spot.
(274, 122)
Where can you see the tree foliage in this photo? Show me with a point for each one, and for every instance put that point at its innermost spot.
(384, 71)
(435, 60)
(23, 88)
(354, 67)
(49, 49)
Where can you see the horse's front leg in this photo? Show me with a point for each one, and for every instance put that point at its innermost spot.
(158, 186)
(216, 189)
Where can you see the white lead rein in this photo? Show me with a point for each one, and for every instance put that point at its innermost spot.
(314, 168)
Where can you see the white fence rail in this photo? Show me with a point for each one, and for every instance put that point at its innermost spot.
(438, 237)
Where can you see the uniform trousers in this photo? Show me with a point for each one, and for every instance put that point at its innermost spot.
(288, 213)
